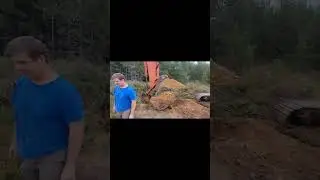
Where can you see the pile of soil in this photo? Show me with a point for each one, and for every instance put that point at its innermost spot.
(254, 149)
(169, 85)
(191, 109)
(223, 76)
(171, 98)
(145, 111)
(184, 108)
(163, 101)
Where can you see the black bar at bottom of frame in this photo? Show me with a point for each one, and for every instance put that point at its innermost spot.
(160, 149)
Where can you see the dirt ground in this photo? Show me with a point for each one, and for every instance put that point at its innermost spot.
(94, 161)
(180, 109)
(253, 149)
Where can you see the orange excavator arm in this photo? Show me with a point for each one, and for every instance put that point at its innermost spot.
(152, 72)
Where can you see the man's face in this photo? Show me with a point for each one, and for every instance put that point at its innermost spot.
(26, 66)
(118, 82)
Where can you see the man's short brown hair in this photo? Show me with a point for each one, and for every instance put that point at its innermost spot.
(118, 76)
(33, 47)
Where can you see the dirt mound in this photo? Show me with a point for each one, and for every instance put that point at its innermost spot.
(163, 101)
(191, 109)
(145, 111)
(223, 76)
(253, 149)
(169, 85)
(185, 108)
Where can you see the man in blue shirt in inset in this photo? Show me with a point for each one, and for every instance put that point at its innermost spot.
(48, 113)
(124, 97)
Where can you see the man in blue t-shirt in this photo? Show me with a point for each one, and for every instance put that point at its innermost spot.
(48, 113)
(124, 97)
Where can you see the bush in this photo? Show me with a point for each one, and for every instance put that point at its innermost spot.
(277, 80)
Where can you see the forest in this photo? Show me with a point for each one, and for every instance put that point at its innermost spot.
(245, 34)
(73, 28)
(182, 71)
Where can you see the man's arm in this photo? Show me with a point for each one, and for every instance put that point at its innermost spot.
(74, 146)
(76, 134)
(133, 98)
(133, 107)
(73, 113)
(114, 100)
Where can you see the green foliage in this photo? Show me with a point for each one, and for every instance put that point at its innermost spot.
(185, 72)
(76, 25)
(265, 83)
(182, 71)
(244, 34)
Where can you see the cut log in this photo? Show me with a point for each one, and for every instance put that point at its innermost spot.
(203, 97)
(298, 112)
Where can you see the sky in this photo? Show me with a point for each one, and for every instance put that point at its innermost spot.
(196, 62)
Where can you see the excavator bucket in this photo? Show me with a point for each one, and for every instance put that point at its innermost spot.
(145, 98)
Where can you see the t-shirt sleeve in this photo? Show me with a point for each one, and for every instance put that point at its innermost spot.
(132, 94)
(72, 106)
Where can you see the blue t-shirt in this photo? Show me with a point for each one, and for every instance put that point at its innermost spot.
(42, 115)
(123, 98)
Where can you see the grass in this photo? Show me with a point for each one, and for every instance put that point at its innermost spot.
(90, 80)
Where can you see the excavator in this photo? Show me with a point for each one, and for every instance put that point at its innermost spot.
(154, 79)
